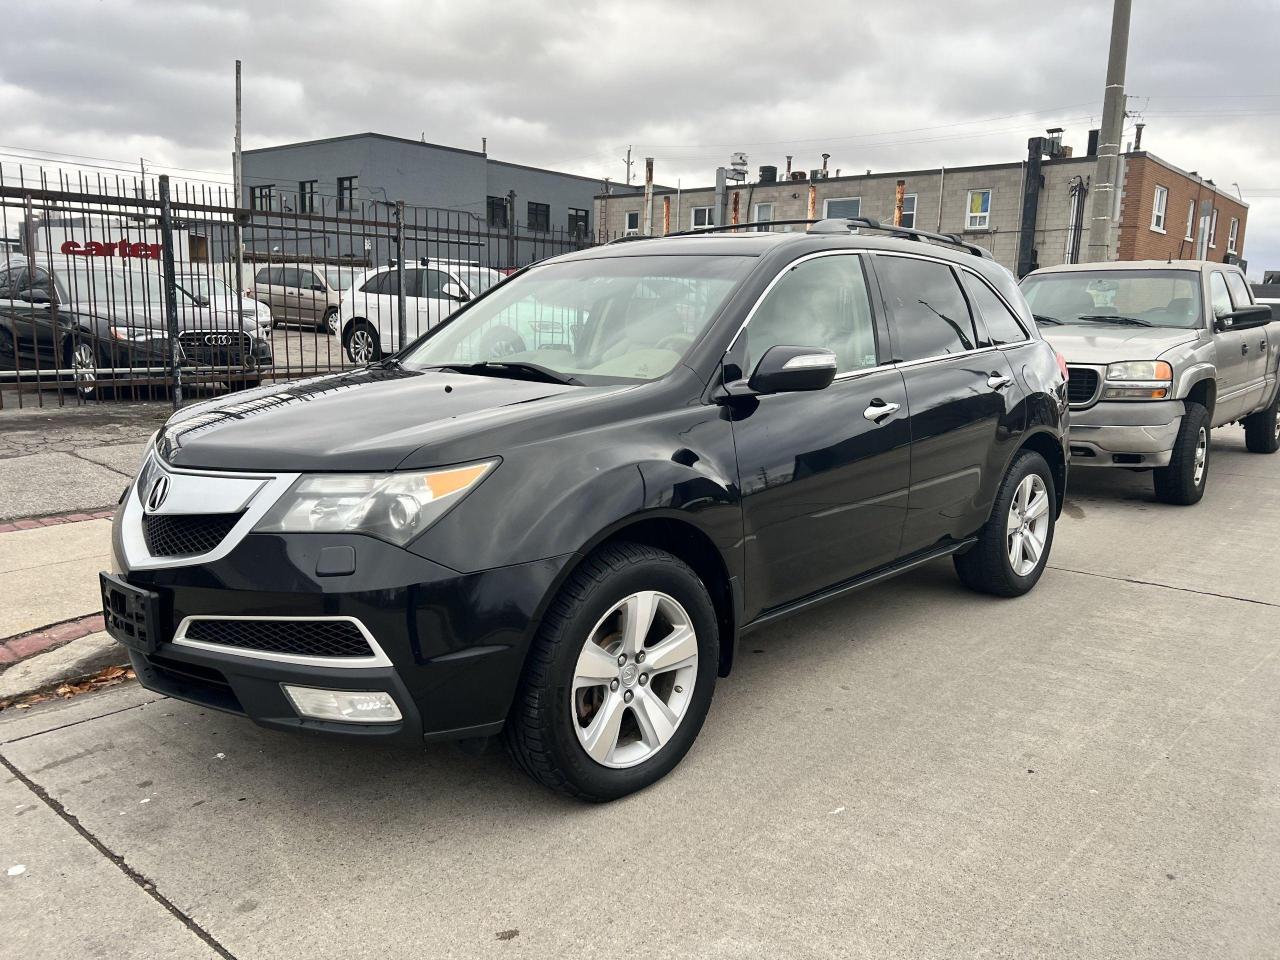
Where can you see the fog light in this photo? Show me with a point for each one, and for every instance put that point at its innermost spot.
(345, 706)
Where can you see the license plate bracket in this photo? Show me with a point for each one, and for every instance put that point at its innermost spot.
(131, 614)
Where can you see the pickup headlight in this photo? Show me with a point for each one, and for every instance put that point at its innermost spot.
(1138, 380)
(394, 506)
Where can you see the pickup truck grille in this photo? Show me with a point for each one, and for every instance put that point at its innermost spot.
(1082, 386)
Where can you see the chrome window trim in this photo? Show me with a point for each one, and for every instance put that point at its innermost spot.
(907, 364)
(912, 255)
(379, 658)
(134, 544)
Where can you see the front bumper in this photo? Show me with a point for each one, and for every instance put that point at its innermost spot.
(454, 643)
(1125, 433)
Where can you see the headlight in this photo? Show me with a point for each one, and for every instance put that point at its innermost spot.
(150, 468)
(394, 506)
(136, 334)
(1138, 380)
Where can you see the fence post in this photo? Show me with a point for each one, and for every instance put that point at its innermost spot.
(402, 317)
(170, 290)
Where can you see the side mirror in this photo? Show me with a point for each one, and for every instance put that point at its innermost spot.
(202, 301)
(317, 288)
(785, 369)
(1245, 318)
(454, 291)
(34, 296)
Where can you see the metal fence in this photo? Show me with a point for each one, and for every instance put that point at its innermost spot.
(132, 288)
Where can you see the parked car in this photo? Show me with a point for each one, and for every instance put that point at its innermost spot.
(302, 293)
(1159, 354)
(206, 290)
(106, 321)
(566, 544)
(369, 320)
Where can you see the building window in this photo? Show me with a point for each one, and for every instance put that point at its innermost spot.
(632, 222)
(260, 197)
(763, 211)
(539, 217)
(842, 207)
(1159, 206)
(306, 196)
(978, 206)
(1191, 220)
(347, 192)
(496, 211)
(579, 222)
(1233, 235)
(701, 217)
(908, 211)
(1213, 228)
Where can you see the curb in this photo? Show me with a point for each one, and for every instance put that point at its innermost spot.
(36, 523)
(82, 657)
(13, 649)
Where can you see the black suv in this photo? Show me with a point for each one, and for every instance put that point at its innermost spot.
(561, 535)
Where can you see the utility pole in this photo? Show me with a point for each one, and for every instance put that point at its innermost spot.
(648, 196)
(1104, 189)
(628, 162)
(237, 232)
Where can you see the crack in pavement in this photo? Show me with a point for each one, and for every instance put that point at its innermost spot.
(76, 723)
(98, 463)
(1164, 586)
(141, 881)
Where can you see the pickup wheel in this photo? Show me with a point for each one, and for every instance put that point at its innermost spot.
(1262, 429)
(620, 676)
(1013, 547)
(1183, 481)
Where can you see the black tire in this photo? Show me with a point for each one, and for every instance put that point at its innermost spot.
(1262, 429)
(362, 326)
(986, 567)
(329, 322)
(540, 728)
(1177, 483)
(90, 387)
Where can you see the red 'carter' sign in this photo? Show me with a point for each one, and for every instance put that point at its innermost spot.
(123, 248)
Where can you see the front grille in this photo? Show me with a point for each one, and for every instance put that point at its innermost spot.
(216, 349)
(185, 534)
(307, 638)
(1082, 384)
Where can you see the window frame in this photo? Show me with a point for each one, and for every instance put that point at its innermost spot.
(693, 214)
(1244, 286)
(915, 207)
(1213, 229)
(955, 269)
(878, 323)
(307, 196)
(827, 201)
(1160, 209)
(1233, 235)
(494, 205)
(979, 317)
(1191, 221)
(627, 228)
(260, 191)
(985, 218)
(1230, 304)
(347, 187)
(543, 212)
(756, 217)
(576, 216)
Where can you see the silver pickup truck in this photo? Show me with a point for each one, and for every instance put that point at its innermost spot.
(1159, 353)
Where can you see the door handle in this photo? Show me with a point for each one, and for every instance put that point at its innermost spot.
(998, 381)
(878, 410)
(1244, 349)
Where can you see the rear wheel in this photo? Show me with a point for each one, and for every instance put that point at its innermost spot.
(329, 322)
(1183, 481)
(1013, 547)
(362, 343)
(620, 676)
(1262, 429)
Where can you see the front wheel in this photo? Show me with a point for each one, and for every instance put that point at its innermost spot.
(1013, 547)
(363, 343)
(1262, 429)
(82, 358)
(620, 676)
(329, 323)
(1183, 481)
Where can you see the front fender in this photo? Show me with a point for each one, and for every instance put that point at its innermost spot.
(1188, 377)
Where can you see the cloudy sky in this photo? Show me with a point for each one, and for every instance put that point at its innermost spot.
(892, 85)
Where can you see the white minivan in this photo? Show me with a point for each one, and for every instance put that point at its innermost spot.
(433, 290)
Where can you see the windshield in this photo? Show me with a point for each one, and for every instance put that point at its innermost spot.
(106, 283)
(477, 279)
(1155, 298)
(608, 320)
(339, 278)
(213, 290)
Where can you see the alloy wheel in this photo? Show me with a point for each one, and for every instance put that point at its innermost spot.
(332, 322)
(634, 679)
(361, 346)
(1027, 530)
(1202, 456)
(85, 365)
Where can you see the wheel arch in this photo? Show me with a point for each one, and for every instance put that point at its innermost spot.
(1203, 391)
(1049, 446)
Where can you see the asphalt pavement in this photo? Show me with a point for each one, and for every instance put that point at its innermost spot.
(915, 771)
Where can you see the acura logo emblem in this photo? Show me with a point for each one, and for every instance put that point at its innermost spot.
(159, 491)
(218, 339)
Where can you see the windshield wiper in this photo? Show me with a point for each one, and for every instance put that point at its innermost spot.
(1116, 318)
(1041, 318)
(499, 367)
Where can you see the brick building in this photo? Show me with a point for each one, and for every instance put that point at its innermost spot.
(986, 204)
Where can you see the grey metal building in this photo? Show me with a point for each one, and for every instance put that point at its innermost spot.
(464, 204)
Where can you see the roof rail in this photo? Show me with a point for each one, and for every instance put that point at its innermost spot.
(849, 224)
(733, 227)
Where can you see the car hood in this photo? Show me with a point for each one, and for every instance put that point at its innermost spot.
(369, 419)
(1102, 344)
(152, 316)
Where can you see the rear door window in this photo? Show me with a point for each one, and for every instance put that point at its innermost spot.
(1002, 325)
(929, 313)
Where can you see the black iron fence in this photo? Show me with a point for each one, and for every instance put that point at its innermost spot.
(129, 288)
